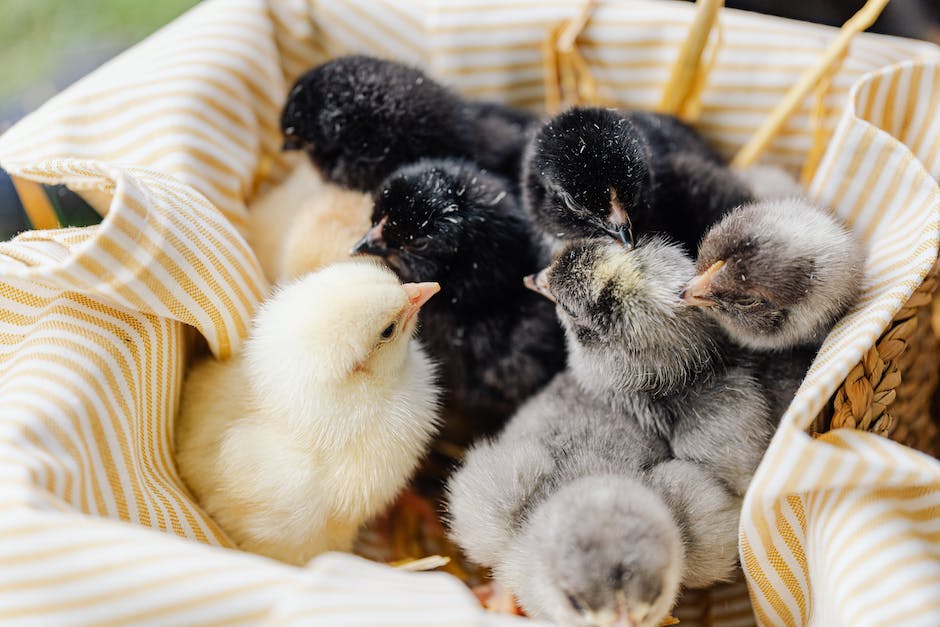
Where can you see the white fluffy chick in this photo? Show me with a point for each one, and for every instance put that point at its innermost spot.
(305, 223)
(295, 443)
(325, 230)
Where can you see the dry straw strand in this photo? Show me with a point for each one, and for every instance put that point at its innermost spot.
(684, 75)
(691, 106)
(567, 77)
(866, 16)
(820, 136)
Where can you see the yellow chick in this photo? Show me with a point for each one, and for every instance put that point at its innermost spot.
(315, 427)
(305, 223)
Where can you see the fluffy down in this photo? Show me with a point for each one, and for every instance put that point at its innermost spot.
(555, 505)
(592, 172)
(777, 274)
(304, 224)
(632, 340)
(295, 443)
(359, 119)
(498, 343)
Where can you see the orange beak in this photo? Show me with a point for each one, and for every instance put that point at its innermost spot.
(698, 291)
(539, 283)
(418, 294)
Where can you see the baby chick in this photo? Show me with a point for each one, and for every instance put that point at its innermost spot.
(449, 221)
(360, 118)
(293, 444)
(304, 223)
(325, 228)
(591, 171)
(601, 551)
(555, 507)
(631, 339)
(777, 274)
(272, 214)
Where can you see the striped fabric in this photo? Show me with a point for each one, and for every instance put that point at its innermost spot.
(179, 133)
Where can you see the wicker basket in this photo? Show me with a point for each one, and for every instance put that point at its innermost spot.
(178, 135)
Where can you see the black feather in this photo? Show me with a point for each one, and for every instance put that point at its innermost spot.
(360, 118)
(498, 342)
(662, 173)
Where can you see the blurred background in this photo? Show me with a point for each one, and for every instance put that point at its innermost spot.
(918, 19)
(47, 44)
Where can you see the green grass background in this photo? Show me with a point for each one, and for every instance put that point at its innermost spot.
(38, 38)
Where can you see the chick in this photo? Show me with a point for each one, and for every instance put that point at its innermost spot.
(707, 515)
(304, 224)
(555, 507)
(449, 221)
(591, 171)
(314, 428)
(777, 274)
(326, 227)
(360, 118)
(602, 551)
(271, 215)
(631, 339)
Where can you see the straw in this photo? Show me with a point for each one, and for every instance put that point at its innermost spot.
(831, 57)
(682, 78)
(820, 136)
(566, 75)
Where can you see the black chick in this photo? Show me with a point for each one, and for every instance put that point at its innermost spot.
(451, 222)
(591, 171)
(360, 118)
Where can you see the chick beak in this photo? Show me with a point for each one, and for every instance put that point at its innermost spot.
(372, 242)
(292, 142)
(418, 294)
(698, 291)
(620, 227)
(539, 283)
(622, 233)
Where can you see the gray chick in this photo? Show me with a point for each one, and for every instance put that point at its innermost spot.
(603, 550)
(707, 517)
(777, 274)
(631, 339)
(555, 506)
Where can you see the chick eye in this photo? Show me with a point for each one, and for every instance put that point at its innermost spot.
(388, 331)
(566, 199)
(748, 303)
(575, 604)
(420, 244)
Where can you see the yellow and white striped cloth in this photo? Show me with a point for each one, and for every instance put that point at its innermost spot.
(95, 527)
